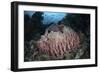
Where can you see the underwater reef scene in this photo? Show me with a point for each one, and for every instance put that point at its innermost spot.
(56, 36)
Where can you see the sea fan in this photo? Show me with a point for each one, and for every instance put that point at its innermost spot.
(56, 44)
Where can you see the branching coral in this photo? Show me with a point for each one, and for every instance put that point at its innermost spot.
(56, 44)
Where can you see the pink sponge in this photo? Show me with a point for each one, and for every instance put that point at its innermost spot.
(56, 44)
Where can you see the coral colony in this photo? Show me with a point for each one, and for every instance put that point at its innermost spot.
(57, 40)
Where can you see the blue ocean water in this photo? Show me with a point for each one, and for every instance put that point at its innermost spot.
(49, 17)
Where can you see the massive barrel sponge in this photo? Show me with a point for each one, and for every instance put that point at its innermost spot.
(56, 44)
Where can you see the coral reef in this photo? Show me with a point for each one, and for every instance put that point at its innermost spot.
(66, 39)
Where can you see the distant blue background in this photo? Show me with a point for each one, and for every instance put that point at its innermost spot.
(49, 17)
